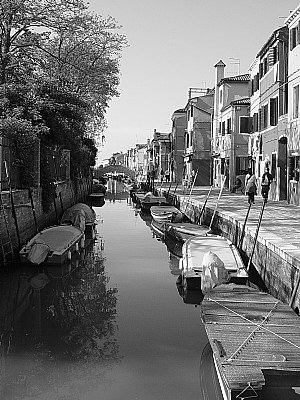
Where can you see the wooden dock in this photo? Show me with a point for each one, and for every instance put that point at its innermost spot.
(255, 340)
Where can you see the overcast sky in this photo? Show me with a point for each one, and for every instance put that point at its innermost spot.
(174, 45)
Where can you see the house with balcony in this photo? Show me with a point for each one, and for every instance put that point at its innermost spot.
(268, 110)
(179, 126)
(291, 141)
(197, 143)
(231, 126)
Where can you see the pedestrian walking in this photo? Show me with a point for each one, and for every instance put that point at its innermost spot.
(162, 175)
(266, 181)
(167, 175)
(251, 188)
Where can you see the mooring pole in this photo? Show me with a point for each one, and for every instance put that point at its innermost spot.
(213, 216)
(192, 187)
(244, 226)
(256, 233)
(33, 209)
(204, 205)
(13, 210)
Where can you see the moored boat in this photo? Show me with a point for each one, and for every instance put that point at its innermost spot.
(210, 260)
(166, 213)
(53, 245)
(81, 216)
(183, 231)
(255, 341)
(149, 200)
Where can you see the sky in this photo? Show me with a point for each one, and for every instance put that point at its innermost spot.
(173, 46)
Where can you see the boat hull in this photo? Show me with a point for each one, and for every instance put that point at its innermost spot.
(196, 248)
(62, 241)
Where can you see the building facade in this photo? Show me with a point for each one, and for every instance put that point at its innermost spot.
(292, 139)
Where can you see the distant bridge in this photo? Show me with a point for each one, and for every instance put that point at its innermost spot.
(110, 169)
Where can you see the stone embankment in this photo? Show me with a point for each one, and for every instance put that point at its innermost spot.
(277, 251)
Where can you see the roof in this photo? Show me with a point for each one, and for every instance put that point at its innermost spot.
(180, 110)
(237, 78)
(245, 101)
(279, 33)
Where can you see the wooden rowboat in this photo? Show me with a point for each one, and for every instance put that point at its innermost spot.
(183, 231)
(255, 340)
(166, 213)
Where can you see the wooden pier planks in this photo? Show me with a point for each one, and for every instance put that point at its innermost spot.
(246, 328)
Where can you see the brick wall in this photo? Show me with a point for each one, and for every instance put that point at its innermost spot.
(67, 193)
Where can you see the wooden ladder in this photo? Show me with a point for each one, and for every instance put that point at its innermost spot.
(5, 240)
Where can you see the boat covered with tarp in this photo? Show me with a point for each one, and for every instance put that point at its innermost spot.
(53, 245)
(81, 216)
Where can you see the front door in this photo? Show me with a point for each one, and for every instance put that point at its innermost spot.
(282, 164)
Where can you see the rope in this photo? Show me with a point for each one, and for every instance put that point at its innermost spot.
(258, 325)
(252, 333)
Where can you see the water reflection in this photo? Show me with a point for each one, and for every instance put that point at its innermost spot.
(52, 315)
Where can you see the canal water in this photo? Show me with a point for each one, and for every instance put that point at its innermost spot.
(112, 325)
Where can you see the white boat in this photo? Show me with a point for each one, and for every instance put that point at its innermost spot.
(166, 213)
(255, 342)
(81, 216)
(53, 245)
(183, 231)
(210, 260)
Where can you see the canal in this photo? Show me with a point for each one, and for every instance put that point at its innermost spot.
(112, 325)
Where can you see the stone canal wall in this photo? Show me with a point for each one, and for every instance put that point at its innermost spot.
(277, 262)
(23, 227)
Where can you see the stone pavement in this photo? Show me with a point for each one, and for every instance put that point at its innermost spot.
(280, 222)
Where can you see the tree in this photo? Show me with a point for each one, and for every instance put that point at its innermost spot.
(59, 68)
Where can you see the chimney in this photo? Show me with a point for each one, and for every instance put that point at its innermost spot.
(219, 74)
(219, 71)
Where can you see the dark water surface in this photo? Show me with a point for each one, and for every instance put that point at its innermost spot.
(112, 326)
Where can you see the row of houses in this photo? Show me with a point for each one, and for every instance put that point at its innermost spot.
(244, 121)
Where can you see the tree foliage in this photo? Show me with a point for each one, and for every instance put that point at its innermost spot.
(59, 68)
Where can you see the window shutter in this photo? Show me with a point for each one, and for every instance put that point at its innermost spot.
(298, 33)
(271, 56)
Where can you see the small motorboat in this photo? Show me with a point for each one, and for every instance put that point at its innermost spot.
(53, 245)
(149, 200)
(166, 213)
(208, 261)
(185, 230)
(81, 216)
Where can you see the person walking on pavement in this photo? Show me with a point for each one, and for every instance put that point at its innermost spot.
(266, 181)
(251, 188)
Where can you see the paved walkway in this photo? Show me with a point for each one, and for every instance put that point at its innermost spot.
(280, 225)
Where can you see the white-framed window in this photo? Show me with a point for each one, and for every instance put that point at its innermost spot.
(296, 101)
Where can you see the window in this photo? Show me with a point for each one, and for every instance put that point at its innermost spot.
(265, 116)
(244, 124)
(229, 125)
(266, 65)
(274, 165)
(241, 165)
(255, 122)
(294, 168)
(220, 127)
(223, 128)
(192, 111)
(274, 111)
(221, 96)
(293, 37)
(296, 101)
